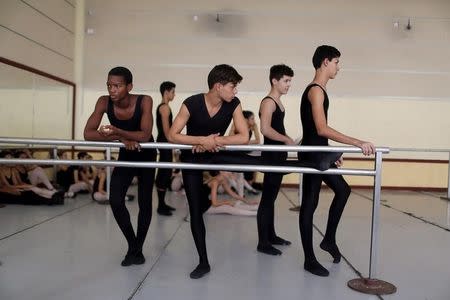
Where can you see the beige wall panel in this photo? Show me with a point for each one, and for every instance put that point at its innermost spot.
(58, 10)
(22, 19)
(18, 49)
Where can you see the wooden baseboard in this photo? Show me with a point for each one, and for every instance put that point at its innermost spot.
(392, 188)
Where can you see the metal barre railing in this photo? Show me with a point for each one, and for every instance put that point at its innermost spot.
(371, 283)
(442, 150)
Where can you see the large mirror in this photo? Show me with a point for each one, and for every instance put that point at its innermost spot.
(34, 104)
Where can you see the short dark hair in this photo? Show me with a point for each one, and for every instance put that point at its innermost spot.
(278, 71)
(247, 114)
(166, 86)
(3, 153)
(323, 52)
(223, 74)
(18, 153)
(82, 154)
(123, 72)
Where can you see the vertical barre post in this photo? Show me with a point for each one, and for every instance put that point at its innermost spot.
(300, 188)
(108, 171)
(375, 216)
(448, 181)
(371, 285)
(55, 167)
(448, 178)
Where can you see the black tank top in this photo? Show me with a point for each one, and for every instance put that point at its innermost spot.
(132, 124)
(95, 187)
(310, 136)
(161, 136)
(200, 123)
(24, 177)
(10, 179)
(277, 123)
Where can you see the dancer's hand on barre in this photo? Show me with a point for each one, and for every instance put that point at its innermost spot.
(131, 145)
(106, 130)
(289, 141)
(367, 147)
(209, 143)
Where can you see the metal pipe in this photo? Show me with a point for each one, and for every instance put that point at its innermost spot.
(108, 171)
(102, 144)
(191, 166)
(448, 178)
(55, 167)
(375, 216)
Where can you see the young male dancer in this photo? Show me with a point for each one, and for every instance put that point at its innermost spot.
(207, 117)
(271, 113)
(131, 123)
(316, 131)
(163, 123)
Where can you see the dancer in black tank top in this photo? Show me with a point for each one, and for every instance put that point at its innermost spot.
(314, 116)
(272, 113)
(131, 123)
(163, 123)
(206, 117)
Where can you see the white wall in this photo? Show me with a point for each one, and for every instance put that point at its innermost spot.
(38, 33)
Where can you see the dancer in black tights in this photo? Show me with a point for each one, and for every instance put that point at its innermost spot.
(131, 123)
(316, 131)
(272, 113)
(163, 123)
(206, 117)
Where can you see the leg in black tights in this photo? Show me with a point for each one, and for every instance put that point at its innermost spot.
(311, 189)
(120, 181)
(163, 181)
(341, 193)
(265, 215)
(146, 177)
(310, 199)
(198, 203)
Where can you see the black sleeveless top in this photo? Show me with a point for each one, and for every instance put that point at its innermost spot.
(10, 179)
(161, 136)
(310, 136)
(132, 124)
(200, 123)
(95, 187)
(24, 177)
(277, 123)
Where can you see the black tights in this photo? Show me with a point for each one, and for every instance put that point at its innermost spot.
(120, 181)
(265, 216)
(163, 176)
(311, 189)
(197, 194)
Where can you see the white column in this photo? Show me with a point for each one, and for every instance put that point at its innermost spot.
(78, 62)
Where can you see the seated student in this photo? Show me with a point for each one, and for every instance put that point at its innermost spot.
(99, 193)
(35, 175)
(176, 181)
(14, 191)
(78, 178)
(64, 175)
(86, 173)
(236, 206)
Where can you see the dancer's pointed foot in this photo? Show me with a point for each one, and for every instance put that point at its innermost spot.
(333, 250)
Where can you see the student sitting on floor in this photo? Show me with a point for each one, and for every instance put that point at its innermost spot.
(237, 206)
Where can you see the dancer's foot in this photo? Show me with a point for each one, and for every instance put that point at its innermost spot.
(333, 250)
(315, 268)
(163, 212)
(200, 271)
(279, 241)
(268, 249)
